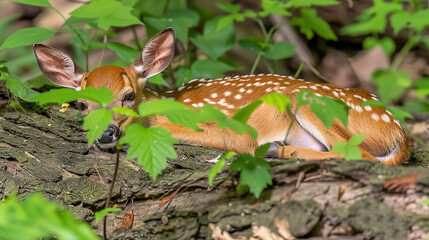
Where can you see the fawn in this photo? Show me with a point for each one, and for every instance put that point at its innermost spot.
(304, 136)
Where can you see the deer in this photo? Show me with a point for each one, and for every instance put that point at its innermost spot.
(297, 134)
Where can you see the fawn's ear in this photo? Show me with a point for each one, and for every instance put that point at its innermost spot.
(156, 55)
(58, 67)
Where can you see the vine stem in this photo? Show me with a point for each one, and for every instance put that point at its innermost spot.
(405, 49)
(109, 196)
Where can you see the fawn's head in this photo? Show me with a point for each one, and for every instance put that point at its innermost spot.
(126, 83)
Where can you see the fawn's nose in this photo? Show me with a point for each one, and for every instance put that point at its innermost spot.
(112, 133)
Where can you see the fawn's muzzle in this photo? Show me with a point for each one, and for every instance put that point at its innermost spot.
(111, 135)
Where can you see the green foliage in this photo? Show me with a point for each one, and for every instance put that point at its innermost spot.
(349, 149)
(274, 51)
(325, 108)
(373, 19)
(125, 111)
(217, 168)
(151, 147)
(233, 16)
(309, 3)
(96, 122)
(102, 96)
(107, 13)
(18, 88)
(309, 24)
(254, 172)
(422, 86)
(209, 68)
(279, 50)
(35, 218)
(391, 84)
(386, 43)
(417, 106)
(100, 214)
(273, 7)
(214, 45)
(280, 101)
(27, 36)
(126, 53)
(179, 113)
(158, 80)
(180, 20)
(40, 3)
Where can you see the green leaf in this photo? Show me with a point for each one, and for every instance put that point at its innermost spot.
(151, 147)
(125, 111)
(229, 7)
(349, 149)
(386, 43)
(107, 13)
(189, 117)
(309, 23)
(3, 69)
(19, 89)
(217, 168)
(325, 108)
(391, 84)
(176, 112)
(100, 214)
(417, 106)
(373, 19)
(309, 3)
(419, 20)
(209, 68)
(35, 218)
(126, 53)
(179, 19)
(234, 15)
(27, 37)
(255, 172)
(38, 82)
(422, 86)
(40, 3)
(262, 150)
(425, 202)
(102, 96)
(278, 100)
(273, 7)
(356, 139)
(158, 80)
(96, 122)
(215, 43)
(399, 20)
(184, 75)
(279, 50)
(251, 44)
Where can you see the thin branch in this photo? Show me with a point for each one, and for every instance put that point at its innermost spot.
(317, 73)
(109, 196)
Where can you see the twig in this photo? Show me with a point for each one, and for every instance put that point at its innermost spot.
(168, 199)
(317, 73)
(109, 196)
(297, 185)
(98, 173)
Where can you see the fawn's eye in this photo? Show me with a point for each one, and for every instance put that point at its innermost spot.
(81, 106)
(129, 97)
